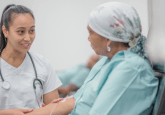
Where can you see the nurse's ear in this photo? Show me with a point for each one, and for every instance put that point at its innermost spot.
(5, 32)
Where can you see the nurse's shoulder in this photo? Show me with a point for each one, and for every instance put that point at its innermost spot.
(39, 59)
(42, 64)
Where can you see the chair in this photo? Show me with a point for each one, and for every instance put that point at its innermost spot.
(159, 106)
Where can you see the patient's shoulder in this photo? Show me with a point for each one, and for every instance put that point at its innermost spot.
(137, 62)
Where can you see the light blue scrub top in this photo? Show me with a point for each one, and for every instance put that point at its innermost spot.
(126, 85)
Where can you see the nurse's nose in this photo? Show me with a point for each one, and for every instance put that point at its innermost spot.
(27, 37)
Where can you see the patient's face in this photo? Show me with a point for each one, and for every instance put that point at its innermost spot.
(98, 43)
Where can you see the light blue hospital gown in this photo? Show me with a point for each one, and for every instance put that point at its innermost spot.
(75, 75)
(126, 85)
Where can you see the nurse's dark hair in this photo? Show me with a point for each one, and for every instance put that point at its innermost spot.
(7, 19)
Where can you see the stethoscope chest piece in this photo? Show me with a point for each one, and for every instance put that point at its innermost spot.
(6, 85)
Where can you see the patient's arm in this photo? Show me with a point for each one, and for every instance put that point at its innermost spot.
(62, 108)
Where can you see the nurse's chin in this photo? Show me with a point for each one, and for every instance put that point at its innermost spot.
(23, 50)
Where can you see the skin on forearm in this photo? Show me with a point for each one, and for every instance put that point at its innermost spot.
(49, 97)
(15, 111)
(3, 112)
(62, 108)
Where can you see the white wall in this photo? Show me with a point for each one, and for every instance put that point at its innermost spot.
(61, 27)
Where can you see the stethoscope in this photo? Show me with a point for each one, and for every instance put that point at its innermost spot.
(6, 85)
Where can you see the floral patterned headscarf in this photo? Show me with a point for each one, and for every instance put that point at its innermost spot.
(118, 22)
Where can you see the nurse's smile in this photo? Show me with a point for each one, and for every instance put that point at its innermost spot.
(26, 45)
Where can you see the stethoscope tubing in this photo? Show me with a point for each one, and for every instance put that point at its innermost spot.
(36, 79)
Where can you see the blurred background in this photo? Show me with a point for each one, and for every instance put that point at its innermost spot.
(61, 27)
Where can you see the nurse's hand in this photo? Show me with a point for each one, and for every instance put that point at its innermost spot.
(54, 101)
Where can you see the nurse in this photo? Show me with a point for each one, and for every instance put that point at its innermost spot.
(122, 82)
(18, 85)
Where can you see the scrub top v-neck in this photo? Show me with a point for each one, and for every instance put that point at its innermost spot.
(9, 70)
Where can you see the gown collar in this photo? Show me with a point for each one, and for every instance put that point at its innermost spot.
(96, 68)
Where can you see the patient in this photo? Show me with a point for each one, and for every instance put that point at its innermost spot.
(122, 82)
(74, 77)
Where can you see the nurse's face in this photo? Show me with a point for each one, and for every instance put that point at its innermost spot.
(21, 32)
(98, 43)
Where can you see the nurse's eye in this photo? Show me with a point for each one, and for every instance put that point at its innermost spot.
(20, 32)
(32, 31)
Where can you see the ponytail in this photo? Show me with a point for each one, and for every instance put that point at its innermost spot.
(3, 39)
